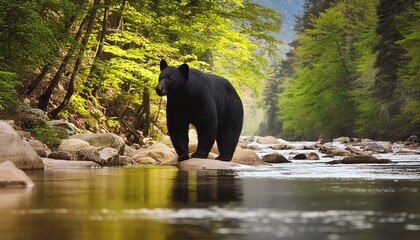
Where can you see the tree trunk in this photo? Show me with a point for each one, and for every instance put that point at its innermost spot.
(45, 97)
(146, 105)
(47, 67)
(98, 53)
(85, 40)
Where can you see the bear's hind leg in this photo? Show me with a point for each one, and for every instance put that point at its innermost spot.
(227, 139)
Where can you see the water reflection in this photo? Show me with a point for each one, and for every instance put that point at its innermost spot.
(165, 203)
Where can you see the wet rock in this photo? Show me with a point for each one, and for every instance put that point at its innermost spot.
(266, 140)
(300, 156)
(312, 156)
(206, 164)
(355, 151)
(407, 152)
(275, 158)
(365, 159)
(144, 160)
(376, 148)
(109, 157)
(12, 177)
(247, 157)
(281, 147)
(127, 161)
(337, 152)
(20, 152)
(62, 155)
(64, 164)
(103, 140)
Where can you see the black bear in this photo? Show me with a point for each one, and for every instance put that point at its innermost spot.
(208, 102)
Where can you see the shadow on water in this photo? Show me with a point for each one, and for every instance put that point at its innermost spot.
(165, 203)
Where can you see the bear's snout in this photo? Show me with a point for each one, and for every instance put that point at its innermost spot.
(161, 90)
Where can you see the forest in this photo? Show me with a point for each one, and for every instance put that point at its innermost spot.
(95, 62)
(353, 69)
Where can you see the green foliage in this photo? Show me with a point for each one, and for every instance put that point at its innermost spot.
(409, 70)
(8, 93)
(317, 101)
(45, 133)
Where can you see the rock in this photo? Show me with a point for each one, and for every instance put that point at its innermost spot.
(300, 156)
(103, 140)
(281, 147)
(20, 152)
(69, 127)
(376, 148)
(64, 164)
(127, 161)
(343, 140)
(144, 160)
(275, 158)
(406, 152)
(61, 132)
(253, 147)
(61, 155)
(128, 150)
(12, 177)
(90, 154)
(312, 156)
(266, 140)
(161, 153)
(365, 159)
(355, 151)
(73, 145)
(206, 164)
(39, 147)
(338, 152)
(109, 157)
(247, 157)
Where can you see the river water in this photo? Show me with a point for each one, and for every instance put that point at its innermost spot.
(299, 200)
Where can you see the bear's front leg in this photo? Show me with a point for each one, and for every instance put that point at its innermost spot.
(178, 131)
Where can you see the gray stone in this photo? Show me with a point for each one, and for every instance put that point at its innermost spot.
(103, 140)
(12, 177)
(206, 164)
(61, 155)
(69, 127)
(64, 164)
(109, 157)
(13, 148)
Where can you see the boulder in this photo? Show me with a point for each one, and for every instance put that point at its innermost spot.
(206, 164)
(109, 157)
(312, 156)
(376, 148)
(247, 157)
(275, 158)
(68, 127)
(127, 161)
(282, 147)
(144, 160)
(343, 139)
(365, 159)
(64, 164)
(90, 154)
(266, 140)
(103, 140)
(61, 155)
(407, 152)
(355, 151)
(12, 177)
(39, 147)
(300, 156)
(337, 152)
(20, 152)
(161, 153)
(73, 145)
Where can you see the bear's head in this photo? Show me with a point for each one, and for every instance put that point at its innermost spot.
(171, 79)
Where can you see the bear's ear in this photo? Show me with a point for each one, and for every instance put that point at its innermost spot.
(163, 64)
(184, 69)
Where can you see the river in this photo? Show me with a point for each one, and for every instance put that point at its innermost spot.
(300, 200)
